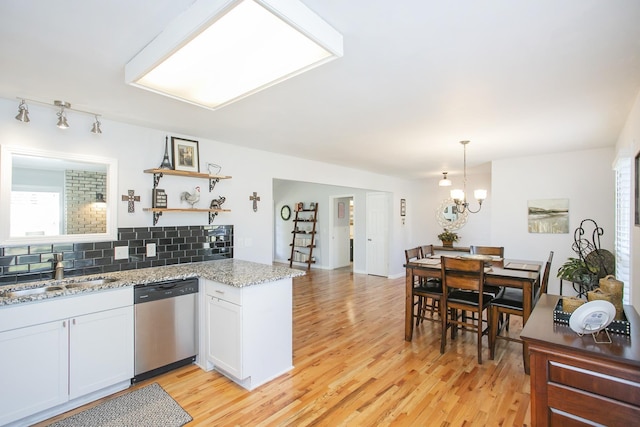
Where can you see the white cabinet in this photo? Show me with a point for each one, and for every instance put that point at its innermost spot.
(100, 350)
(58, 350)
(35, 366)
(249, 330)
(224, 346)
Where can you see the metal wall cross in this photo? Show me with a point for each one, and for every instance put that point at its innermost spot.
(255, 198)
(131, 199)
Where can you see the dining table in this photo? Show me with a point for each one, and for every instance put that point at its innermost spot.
(513, 273)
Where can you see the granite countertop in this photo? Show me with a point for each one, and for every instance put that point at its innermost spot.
(230, 272)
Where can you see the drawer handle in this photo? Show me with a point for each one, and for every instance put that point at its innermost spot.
(219, 292)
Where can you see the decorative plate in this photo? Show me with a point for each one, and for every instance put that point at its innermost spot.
(592, 317)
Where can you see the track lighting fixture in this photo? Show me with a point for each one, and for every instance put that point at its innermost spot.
(23, 112)
(96, 127)
(62, 119)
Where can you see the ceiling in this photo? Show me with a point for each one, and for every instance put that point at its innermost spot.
(517, 78)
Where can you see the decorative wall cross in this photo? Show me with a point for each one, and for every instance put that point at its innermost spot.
(131, 199)
(255, 198)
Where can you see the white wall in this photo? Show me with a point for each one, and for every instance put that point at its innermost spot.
(289, 192)
(138, 148)
(477, 230)
(628, 146)
(585, 178)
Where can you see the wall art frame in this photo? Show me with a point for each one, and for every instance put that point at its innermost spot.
(186, 154)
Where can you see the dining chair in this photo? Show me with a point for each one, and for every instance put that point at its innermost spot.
(432, 288)
(487, 250)
(463, 290)
(511, 302)
(426, 293)
(418, 295)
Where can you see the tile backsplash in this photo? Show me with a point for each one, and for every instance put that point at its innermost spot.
(174, 245)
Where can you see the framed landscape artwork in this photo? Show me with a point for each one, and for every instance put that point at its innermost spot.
(548, 216)
(186, 156)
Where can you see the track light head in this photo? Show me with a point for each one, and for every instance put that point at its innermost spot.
(23, 112)
(95, 129)
(62, 119)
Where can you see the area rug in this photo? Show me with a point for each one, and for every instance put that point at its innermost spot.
(148, 406)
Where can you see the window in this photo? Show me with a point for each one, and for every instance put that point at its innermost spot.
(26, 213)
(623, 224)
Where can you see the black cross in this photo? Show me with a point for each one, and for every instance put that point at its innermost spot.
(255, 198)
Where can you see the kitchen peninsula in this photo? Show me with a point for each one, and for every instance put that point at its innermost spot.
(244, 320)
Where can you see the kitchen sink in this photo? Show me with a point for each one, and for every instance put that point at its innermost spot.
(44, 289)
(88, 283)
(34, 291)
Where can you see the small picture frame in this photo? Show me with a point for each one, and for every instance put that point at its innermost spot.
(186, 156)
(159, 198)
(403, 207)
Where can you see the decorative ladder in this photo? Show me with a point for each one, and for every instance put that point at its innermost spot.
(304, 238)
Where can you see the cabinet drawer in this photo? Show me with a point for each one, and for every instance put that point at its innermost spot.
(610, 382)
(224, 292)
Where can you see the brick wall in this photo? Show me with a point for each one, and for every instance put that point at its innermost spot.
(83, 215)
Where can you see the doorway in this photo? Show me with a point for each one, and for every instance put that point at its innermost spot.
(342, 231)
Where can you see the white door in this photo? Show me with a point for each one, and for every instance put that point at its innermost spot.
(34, 364)
(100, 350)
(378, 234)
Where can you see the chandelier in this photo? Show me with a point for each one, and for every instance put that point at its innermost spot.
(459, 196)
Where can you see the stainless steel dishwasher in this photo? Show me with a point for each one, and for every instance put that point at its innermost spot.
(165, 326)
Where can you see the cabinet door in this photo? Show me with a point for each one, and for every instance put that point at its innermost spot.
(224, 341)
(34, 363)
(100, 350)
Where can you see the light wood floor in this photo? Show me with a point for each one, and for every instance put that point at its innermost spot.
(353, 368)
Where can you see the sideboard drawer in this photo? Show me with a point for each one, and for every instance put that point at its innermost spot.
(594, 379)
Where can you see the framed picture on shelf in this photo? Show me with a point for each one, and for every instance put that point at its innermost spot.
(186, 156)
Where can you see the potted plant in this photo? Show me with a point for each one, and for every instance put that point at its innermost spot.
(577, 271)
(448, 237)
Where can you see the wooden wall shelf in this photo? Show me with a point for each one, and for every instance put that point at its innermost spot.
(157, 212)
(158, 173)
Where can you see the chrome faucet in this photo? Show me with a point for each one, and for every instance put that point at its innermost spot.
(59, 269)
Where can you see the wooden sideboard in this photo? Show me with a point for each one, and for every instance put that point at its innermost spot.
(577, 382)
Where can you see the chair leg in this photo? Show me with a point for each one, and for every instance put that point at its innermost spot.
(493, 330)
(444, 318)
(480, 344)
(419, 310)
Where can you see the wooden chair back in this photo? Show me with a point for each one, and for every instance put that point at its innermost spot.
(487, 250)
(427, 250)
(545, 276)
(462, 273)
(413, 254)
